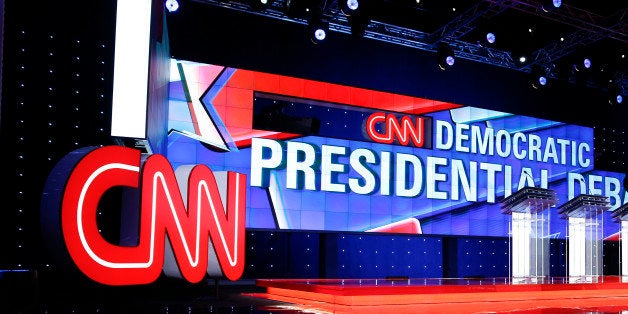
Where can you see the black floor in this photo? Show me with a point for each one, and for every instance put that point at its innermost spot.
(29, 293)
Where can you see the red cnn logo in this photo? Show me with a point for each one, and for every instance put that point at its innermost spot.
(185, 223)
(402, 131)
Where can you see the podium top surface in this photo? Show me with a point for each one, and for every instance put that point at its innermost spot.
(620, 213)
(529, 200)
(584, 206)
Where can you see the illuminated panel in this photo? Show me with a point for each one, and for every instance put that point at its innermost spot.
(189, 115)
(315, 162)
(130, 70)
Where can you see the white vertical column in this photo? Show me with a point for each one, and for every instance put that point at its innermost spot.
(539, 242)
(130, 68)
(624, 247)
(577, 246)
(521, 244)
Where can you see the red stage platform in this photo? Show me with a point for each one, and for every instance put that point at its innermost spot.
(555, 295)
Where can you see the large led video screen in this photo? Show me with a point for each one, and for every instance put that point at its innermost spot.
(328, 157)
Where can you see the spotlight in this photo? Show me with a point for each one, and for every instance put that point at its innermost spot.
(260, 5)
(172, 5)
(582, 72)
(445, 56)
(584, 67)
(490, 37)
(349, 7)
(542, 80)
(318, 30)
(586, 63)
(548, 5)
(615, 99)
(522, 59)
(615, 95)
(358, 13)
(539, 77)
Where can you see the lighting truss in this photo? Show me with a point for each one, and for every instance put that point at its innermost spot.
(385, 32)
(590, 29)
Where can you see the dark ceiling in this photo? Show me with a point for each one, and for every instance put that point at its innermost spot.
(555, 41)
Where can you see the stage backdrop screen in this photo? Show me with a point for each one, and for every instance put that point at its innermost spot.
(322, 156)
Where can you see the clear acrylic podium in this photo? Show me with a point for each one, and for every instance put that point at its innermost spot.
(529, 233)
(584, 236)
(620, 215)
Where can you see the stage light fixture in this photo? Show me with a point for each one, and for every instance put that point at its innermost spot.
(350, 7)
(615, 98)
(582, 72)
(490, 37)
(359, 23)
(538, 77)
(542, 80)
(260, 5)
(172, 5)
(445, 56)
(549, 5)
(615, 94)
(318, 30)
(587, 63)
(358, 14)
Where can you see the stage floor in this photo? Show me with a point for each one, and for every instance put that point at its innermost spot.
(26, 293)
(608, 294)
